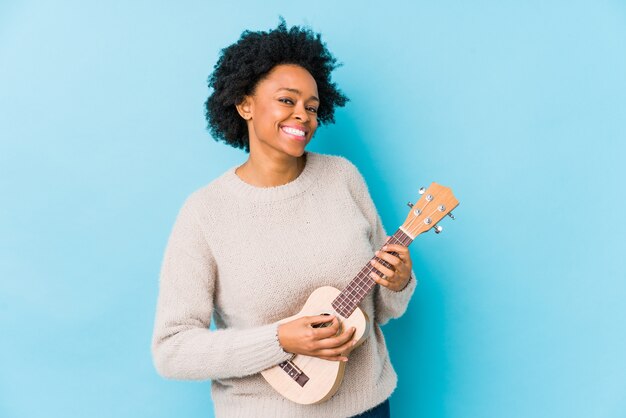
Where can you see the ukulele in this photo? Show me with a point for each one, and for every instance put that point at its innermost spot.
(309, 380)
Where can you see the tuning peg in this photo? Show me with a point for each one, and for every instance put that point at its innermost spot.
(438, 229)
(422, 190)
(451, 215)
(410, 204)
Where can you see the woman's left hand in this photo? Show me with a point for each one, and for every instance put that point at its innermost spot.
(398, 272)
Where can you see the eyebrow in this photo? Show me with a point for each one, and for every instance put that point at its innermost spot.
(297, 92)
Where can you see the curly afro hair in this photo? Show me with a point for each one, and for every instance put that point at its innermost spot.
(243, 64)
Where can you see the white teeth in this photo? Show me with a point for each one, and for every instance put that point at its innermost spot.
(293, 131)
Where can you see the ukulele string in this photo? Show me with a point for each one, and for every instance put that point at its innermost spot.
(370, 268)
(366, 279)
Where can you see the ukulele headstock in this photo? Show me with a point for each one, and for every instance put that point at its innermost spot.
(436, 202)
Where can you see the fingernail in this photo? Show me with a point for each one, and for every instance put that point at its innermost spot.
(377, 252)
(372, 262)
(344, 359)
(385, 247)
(353, 343)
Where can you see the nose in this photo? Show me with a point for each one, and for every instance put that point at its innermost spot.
(300, 112)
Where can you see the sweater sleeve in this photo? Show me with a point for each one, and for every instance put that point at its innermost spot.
(183, 347)
(388, 304)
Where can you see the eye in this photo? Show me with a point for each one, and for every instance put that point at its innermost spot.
(312, 109)
(286, 100)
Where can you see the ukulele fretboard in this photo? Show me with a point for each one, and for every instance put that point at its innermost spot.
(362, 284)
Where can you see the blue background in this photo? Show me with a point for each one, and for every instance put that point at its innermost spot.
(520, 107)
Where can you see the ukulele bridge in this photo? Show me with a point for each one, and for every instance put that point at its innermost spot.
(294, 372)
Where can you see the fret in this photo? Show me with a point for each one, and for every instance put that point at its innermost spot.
(357, 292)
(359, 287)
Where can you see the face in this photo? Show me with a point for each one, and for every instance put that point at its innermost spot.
(282, 112)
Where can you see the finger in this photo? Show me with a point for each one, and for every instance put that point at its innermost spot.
(379, 280)
(318, 319)
(337, 351)
(389, 258)
(401, 250)
(396, 248)
(327, 330)
(381, 268)
(323, 334)
(336, 358)
(337, 341)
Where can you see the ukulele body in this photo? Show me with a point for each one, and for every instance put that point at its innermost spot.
(309, 380)
(323, 377)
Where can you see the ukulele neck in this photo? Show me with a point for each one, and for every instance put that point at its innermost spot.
(358, 289)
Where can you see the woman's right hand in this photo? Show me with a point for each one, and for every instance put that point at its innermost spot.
(300, 337)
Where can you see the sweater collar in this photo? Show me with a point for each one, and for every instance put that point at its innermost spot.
(275, 193)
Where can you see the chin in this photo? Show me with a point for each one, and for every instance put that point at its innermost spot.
(296, 151)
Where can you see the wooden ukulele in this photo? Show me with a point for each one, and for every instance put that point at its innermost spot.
(310, 380)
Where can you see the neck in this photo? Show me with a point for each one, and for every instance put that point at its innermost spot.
(263, 170)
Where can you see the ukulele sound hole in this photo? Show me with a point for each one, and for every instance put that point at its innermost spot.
(323, 324)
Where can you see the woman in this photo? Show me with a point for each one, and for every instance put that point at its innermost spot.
(250, 247)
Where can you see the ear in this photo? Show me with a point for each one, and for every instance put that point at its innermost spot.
(244, 108)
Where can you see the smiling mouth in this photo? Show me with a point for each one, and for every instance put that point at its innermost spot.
(294, 131)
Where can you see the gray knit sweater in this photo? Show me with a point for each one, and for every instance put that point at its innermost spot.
(247, 257)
